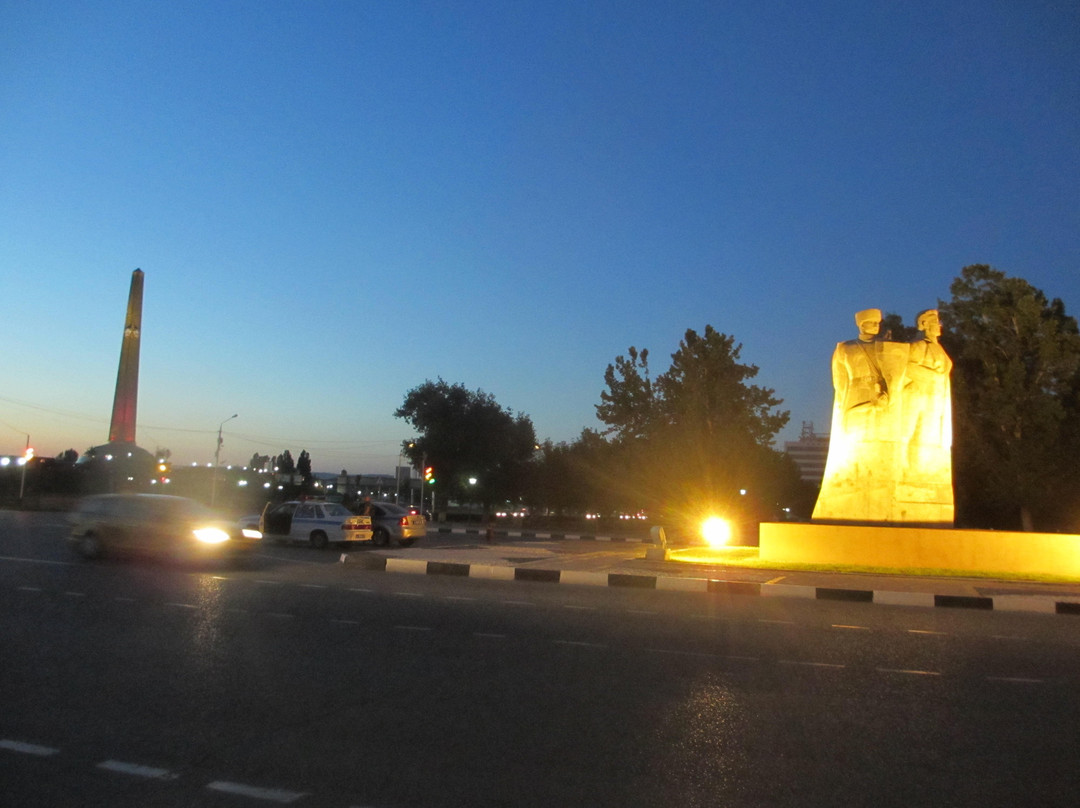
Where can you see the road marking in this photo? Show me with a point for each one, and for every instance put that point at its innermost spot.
(859, 628)
(182, 605)
(28, 748)
(149, 772)
(776, 580)
(365, 591)
(41, 561)
(312, 586)
(1007, 637)
(455, 597)
(777, 622)
(909, 672)
(1022, 680)
(489, 636)
(124, 600)
(268, 583)
(409, 594)
(280, 614)
(75, 594)
(642, 613)
(30, 589)
(579, 608)
(346, 622)
(413, 628)
(927, 632)
(579, 644)
(809, 664)
(268, 794)
(517, 603)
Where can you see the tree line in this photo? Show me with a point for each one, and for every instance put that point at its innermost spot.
(699, 436)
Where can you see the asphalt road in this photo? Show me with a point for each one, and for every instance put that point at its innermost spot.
(300, 680)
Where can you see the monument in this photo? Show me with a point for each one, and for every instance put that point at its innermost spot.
(890, 446)
(886, 499)
(121, 464)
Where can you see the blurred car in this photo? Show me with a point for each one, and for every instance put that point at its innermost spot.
(395, 522)
(316, 522)
(176, 527)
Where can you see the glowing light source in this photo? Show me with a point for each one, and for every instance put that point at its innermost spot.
(211, 535)
(716, 531)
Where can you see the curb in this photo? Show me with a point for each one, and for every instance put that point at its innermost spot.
(1038, 604)
(533, 534)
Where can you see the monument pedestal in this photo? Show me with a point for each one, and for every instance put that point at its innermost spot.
(901, 547)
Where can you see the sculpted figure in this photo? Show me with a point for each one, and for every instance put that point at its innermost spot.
(925, 493)
(860, 472)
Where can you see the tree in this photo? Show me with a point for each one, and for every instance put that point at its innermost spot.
(1016, 400)
(285, 463)
(303, 467)
(699, 435)
(466, 435)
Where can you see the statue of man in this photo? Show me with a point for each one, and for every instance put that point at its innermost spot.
(860, 471)
(925, 492)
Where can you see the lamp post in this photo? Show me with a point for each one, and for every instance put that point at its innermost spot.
(27, 455)
(217, 459)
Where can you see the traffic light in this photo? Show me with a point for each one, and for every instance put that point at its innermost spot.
(429, 475)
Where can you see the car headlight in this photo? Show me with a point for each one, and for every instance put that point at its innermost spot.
(248, 533)
(211, 535)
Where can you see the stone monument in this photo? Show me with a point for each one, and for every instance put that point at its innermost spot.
(890, 445)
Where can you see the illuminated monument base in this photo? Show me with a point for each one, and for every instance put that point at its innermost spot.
(901, 547)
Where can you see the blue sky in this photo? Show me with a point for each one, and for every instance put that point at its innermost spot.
(334, 202)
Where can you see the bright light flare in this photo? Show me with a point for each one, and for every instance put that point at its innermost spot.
(211, 535)
(251, 533)
(716, 531)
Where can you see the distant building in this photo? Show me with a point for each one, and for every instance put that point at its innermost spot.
(809, 453)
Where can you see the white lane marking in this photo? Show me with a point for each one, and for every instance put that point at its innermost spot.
(777, 622)
(489, 636)
(409, 594)
(312, 586)
(365, 591)
(149, 772)
(30, 589)
(280, 614)
(517, 603)
(927, 632)
(41, 561)
(579, 608)
(219, 578)
(268, 583)
(75, 594)
(674, 652)
(28, 748)
(909, 672)
(640, 613)
(345, 622)
(182, 605)
(858, 628)
(1007, 637)
(124, 600)
(255, 792)
(413, 628)
(1021, 680)
(458, 598)
(579, 644)
(809, 664)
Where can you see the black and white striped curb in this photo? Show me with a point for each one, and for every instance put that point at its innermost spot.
(1003, 603)
(536, 534)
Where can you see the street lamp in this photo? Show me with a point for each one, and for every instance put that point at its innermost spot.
(217, 459)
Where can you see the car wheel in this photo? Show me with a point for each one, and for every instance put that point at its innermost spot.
(88, 546)
(319, 540)
(380, 538)
(405, 542)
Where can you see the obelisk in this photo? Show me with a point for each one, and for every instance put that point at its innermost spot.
(122, 428)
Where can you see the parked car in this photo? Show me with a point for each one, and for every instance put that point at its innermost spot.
(316, 522)
(397, 523)
(176, 527)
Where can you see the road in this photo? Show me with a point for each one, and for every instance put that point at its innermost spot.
(300, 680)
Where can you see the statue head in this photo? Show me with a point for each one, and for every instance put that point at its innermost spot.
(869, 323)
(928, 322)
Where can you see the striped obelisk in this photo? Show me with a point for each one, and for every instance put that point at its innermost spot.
(125, 401)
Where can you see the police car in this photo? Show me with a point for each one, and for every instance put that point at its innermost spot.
(315, 522)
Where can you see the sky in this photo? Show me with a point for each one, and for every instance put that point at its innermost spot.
(335, 202)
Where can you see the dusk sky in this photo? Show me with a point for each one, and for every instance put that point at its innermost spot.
(334, 202)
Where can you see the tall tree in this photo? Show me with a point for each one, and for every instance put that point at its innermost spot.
(1016, 390)
(466, 435)
(699, 435)
(303, 467)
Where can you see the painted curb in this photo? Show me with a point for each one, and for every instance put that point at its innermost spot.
(1033, 604)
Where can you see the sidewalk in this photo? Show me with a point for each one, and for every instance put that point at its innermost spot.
(609, 561)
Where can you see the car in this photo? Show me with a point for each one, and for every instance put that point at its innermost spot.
(317, 522)
(395, 522)
(175, 527)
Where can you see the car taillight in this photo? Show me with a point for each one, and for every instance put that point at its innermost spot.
(404, 521)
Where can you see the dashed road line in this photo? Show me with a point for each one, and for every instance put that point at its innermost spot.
(256, 792)
(1018, 680)
(28, 748)
(30, 589)
(580, 644)
(137, 770)
(908, 672)
(182, 605)
(806, 664)
(855, 628)
(927, 632)
(413, 628)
